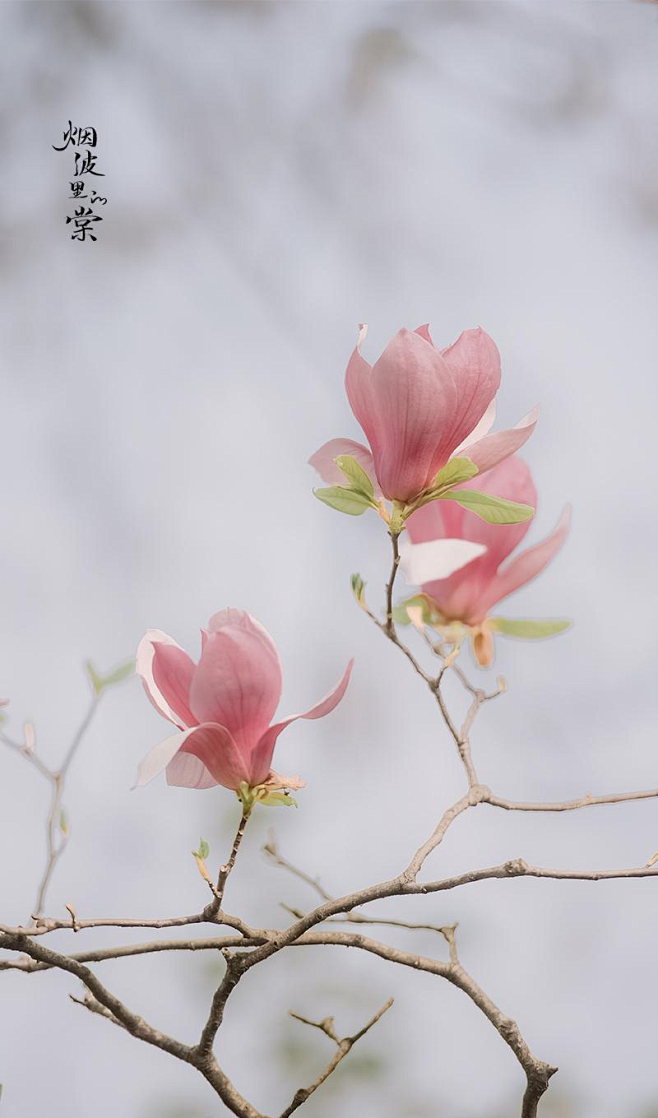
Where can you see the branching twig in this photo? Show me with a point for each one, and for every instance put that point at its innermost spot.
(55, 823)
(343, 1046)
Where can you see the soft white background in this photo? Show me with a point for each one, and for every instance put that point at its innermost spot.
(277, 173)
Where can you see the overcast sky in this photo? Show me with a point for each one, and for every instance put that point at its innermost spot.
(277, 173)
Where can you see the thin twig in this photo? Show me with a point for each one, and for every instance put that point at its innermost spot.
(224, 870)
(537, 1071)
(394, 537)
(55, 825)
(270, 848)
(343, 1046)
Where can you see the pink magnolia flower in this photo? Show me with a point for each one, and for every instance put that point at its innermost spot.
(418, 407)
(468, 595)
(223, 706)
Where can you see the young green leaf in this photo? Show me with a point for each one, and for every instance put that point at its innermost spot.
(358, 587)
(204, 849)
(527, 629)
(98, 682)
(119, 674)
(455, 471)
(278, 799)
(494, 510)
(344, 500)
(355, 474)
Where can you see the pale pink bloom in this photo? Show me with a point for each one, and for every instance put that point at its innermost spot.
(469, 594)
(418, 407)
(223, 706)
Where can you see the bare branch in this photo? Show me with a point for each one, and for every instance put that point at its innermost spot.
(107, 1005)
(56, 829)
(102, 954)
(232, 976)
(44, 925)
(343, 1046)
(537, 1071)
(571, 805)
(270, 848)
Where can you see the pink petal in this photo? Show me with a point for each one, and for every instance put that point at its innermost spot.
(483, 428)
(166, 673)
(237, 682)
(460, 595)
(262, 755)
(214, 748)
(527, 565)
(323, 461)
(511, 479)
(238, 619)
(358, 385)
(424, 332)
(475, 362)
(187, 771)
(221, 756)
(490, 450)
(158, 758)
(417, 402)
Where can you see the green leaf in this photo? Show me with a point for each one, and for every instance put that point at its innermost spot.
(202, 853)
(455, 471)
(527, 629)
(98, 682)
(344, 500)
(358, 587)
(355, 474)
(63, 823)
(278, 799)
(495, 510)
(119, 674)
(94, 678)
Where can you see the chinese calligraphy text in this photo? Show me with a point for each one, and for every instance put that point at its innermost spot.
(82, 140)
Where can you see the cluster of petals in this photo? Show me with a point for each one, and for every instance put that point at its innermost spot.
(418, 406)
(222, 706)
(469, 593)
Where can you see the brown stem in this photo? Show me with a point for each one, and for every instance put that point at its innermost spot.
(224, 871)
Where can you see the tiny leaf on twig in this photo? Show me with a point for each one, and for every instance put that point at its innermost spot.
(203, 851)
(98, 682)
(358, 587)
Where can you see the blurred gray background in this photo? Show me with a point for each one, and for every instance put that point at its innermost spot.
(276, 173)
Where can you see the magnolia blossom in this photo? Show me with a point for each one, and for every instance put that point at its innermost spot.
(468, 595)
(418, 407)
(223, 706)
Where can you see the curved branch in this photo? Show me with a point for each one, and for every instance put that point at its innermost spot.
(537, 1071)
(105, 1003)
